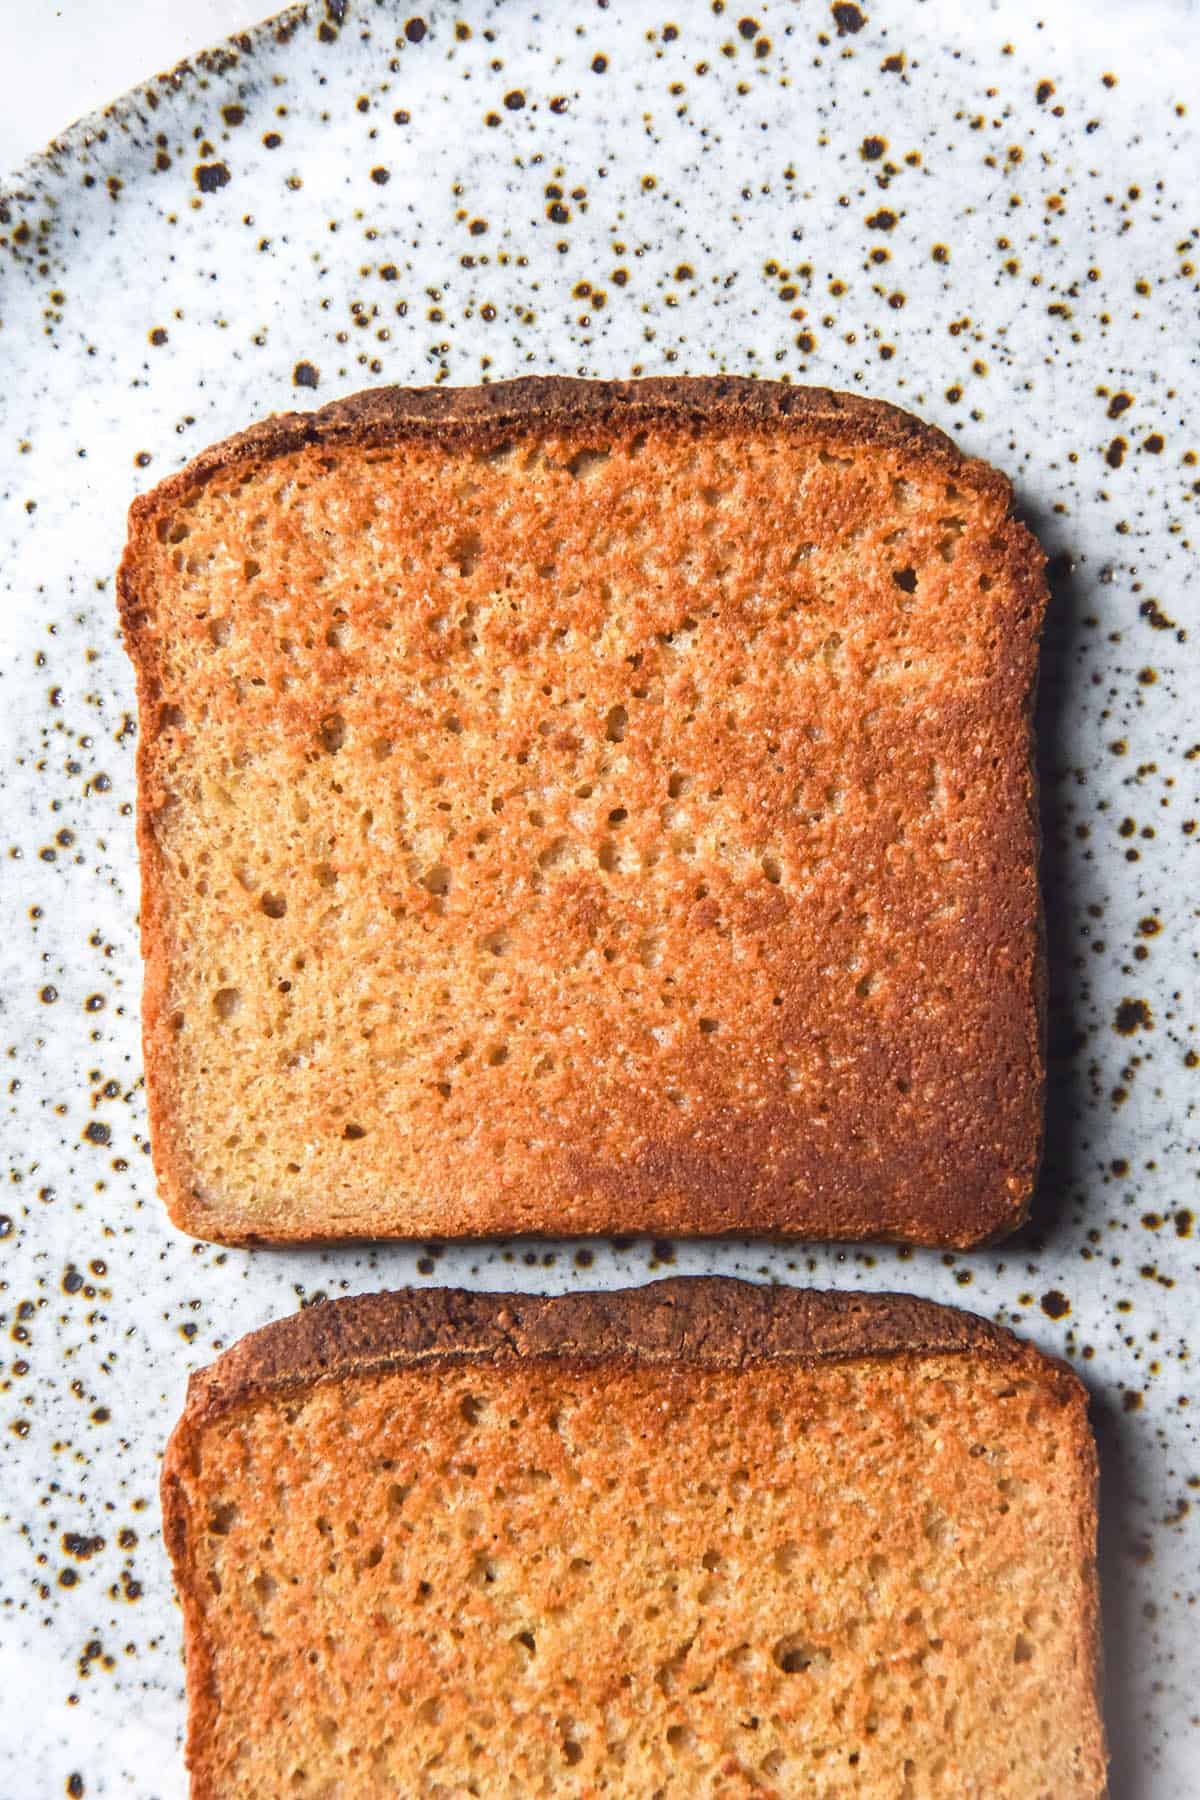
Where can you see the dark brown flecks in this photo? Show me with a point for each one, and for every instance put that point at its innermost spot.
(1055, 1304)
(81, 1547)
(1114, 456)
(599, 65)
(211, 176)
(305, 375)
(381, 176)
(233, 115)
(1153, 613)
(883, 220)
(75, 1787)
(1155, 443)
(158, 336)
(415, 30)
(872, 148)
(96, 1133)
(1131, 1016)
(849, 19)
(1043, 92)
(514, 100)
(1118, 404)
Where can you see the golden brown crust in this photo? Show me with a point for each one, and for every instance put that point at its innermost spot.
(793, 1182)
(706, 1323)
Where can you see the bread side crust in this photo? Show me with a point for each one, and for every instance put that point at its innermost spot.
(705, 1322)
(480, 418)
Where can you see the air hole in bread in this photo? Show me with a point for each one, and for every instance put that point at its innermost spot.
(332, 732)
(615, 724)
(586, 463)
(905, 579)
(222, 1518)
(649, 949)
(795, 1655)
(274, 905)
(227, 1002)
(352, 1132)
(465, 552)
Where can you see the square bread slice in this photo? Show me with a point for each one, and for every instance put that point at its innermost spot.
(589, 807)
(693, 1538)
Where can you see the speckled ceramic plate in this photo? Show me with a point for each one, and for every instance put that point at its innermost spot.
(988, 219)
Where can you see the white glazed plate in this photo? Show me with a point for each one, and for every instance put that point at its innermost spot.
(987, 218)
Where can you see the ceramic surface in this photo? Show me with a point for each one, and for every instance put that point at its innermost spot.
(986, 216)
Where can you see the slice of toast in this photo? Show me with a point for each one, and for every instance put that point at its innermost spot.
(578, 807)
(694, 1538)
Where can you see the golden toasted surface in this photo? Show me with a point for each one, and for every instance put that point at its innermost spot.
(589, 808)
(536, 1563)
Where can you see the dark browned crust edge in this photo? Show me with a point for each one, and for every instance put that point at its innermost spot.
(702, 1322)
(482, 417)
(479, 417)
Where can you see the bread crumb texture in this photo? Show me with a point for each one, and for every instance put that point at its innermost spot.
(866, 1577)
(591, 828)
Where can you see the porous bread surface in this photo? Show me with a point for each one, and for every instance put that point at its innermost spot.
(638, 1545)
(589, 807)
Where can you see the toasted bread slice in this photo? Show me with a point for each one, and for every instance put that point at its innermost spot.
(695, 1538)
(576, 807)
